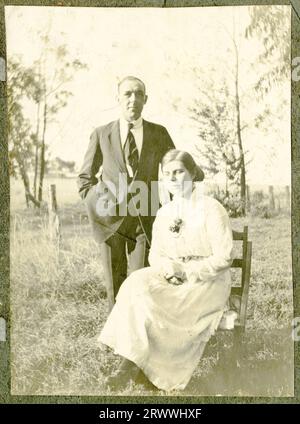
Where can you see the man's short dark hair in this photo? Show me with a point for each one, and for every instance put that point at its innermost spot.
(131, 78)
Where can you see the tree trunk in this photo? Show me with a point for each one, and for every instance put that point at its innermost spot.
(248, 198)
(37, 138)
(26, 188)
(34, 201)
(42, 155)
(36, 159)
(25, 179)
(239, 137)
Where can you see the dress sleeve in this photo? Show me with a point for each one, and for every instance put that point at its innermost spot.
(219, 235)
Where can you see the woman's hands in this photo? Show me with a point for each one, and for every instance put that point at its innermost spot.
(171, 270)
(174, 273)
(177, 272)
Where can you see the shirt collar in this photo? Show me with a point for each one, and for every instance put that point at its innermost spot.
(136, 124)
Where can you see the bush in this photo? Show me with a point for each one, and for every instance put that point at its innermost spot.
(231, 202)
(259, 204)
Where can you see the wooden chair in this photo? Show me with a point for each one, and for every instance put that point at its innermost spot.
(239, 294)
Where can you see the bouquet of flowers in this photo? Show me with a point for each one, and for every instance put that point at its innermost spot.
(176, 226)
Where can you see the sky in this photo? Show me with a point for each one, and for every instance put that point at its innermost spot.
(162, 47)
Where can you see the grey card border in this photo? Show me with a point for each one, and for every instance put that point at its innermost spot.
(5, 396)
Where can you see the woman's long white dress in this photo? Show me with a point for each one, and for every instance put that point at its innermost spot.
(164, 328)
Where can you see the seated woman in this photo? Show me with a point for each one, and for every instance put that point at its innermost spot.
(165, 314)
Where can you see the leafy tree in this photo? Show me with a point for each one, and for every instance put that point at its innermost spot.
(218, 113)
(222, 107)
(42, 85)
(272, 25)
(21, 83)
(55, 69)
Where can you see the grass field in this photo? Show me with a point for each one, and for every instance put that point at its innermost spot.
(58, 307)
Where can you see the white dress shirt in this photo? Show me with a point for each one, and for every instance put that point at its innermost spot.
(137, 131)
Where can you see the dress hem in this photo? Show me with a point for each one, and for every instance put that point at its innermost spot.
(149, 373)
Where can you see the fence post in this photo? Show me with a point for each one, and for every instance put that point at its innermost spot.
(54, 225)
(271, 199)
(287, 197)
(278, 204)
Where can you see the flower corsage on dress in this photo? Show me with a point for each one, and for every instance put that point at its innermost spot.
(175, 228)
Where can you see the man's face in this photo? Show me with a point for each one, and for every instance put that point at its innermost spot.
(131, 99)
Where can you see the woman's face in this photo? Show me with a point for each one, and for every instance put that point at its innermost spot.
(177, 178)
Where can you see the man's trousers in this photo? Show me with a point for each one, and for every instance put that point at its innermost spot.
(124, 252)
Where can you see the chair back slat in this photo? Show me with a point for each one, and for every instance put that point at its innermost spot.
(237, 263)
(244, 264)
(236, 291)
(246, 284)
(245, 246)
(237, 235)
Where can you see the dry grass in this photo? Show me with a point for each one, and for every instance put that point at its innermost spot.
(58, 308)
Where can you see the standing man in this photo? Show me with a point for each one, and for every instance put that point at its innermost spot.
(126, 151)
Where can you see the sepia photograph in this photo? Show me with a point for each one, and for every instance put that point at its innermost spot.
(150, 201)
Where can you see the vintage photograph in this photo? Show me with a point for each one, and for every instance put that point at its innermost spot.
(150, 201)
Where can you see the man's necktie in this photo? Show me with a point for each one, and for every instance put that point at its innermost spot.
(130, 151)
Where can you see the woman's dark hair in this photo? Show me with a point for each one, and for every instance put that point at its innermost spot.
(187, 160)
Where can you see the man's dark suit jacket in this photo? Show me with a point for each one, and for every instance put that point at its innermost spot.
(105, 151)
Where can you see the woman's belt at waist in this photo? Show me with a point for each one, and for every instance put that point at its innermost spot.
(189, 258)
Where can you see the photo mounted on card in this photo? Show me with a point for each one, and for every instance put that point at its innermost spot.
(150, 165)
